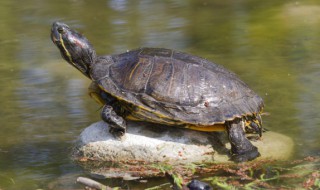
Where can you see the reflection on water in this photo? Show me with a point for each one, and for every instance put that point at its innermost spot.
(272, 45)
(310, 120)
(33, 91)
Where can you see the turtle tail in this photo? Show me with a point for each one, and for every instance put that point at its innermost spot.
(253, 124)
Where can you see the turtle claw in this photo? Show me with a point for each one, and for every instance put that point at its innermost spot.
(117, 133)
(246, 156)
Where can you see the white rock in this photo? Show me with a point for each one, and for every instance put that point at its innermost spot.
(150, 144)
(145, 143)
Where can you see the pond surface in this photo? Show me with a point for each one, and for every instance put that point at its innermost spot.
(272, 45)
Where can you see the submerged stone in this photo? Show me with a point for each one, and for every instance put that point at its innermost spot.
(146, 147)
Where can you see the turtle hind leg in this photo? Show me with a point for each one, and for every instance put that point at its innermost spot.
(241, 148)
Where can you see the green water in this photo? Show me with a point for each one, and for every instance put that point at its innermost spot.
(272, 45)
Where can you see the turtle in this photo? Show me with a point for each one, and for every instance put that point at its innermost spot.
(166, 87)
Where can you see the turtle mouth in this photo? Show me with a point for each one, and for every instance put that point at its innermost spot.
(55, 36)
(54, 39)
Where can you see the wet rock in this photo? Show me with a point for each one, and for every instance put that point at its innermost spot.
(147, 145)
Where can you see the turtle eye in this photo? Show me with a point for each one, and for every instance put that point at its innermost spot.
(60, 30)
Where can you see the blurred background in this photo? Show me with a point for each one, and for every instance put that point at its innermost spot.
(272, 45)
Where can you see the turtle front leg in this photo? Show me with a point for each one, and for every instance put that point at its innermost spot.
(116, 123)
(241, 148)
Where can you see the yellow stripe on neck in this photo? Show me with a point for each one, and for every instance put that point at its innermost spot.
(67, 52)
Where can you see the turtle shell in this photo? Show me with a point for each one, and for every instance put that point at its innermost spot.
(159, 84)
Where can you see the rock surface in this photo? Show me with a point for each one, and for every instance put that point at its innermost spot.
(147, 144)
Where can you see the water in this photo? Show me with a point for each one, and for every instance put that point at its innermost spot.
(272, 45)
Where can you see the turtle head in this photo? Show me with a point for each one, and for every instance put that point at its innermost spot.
(74, 47)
